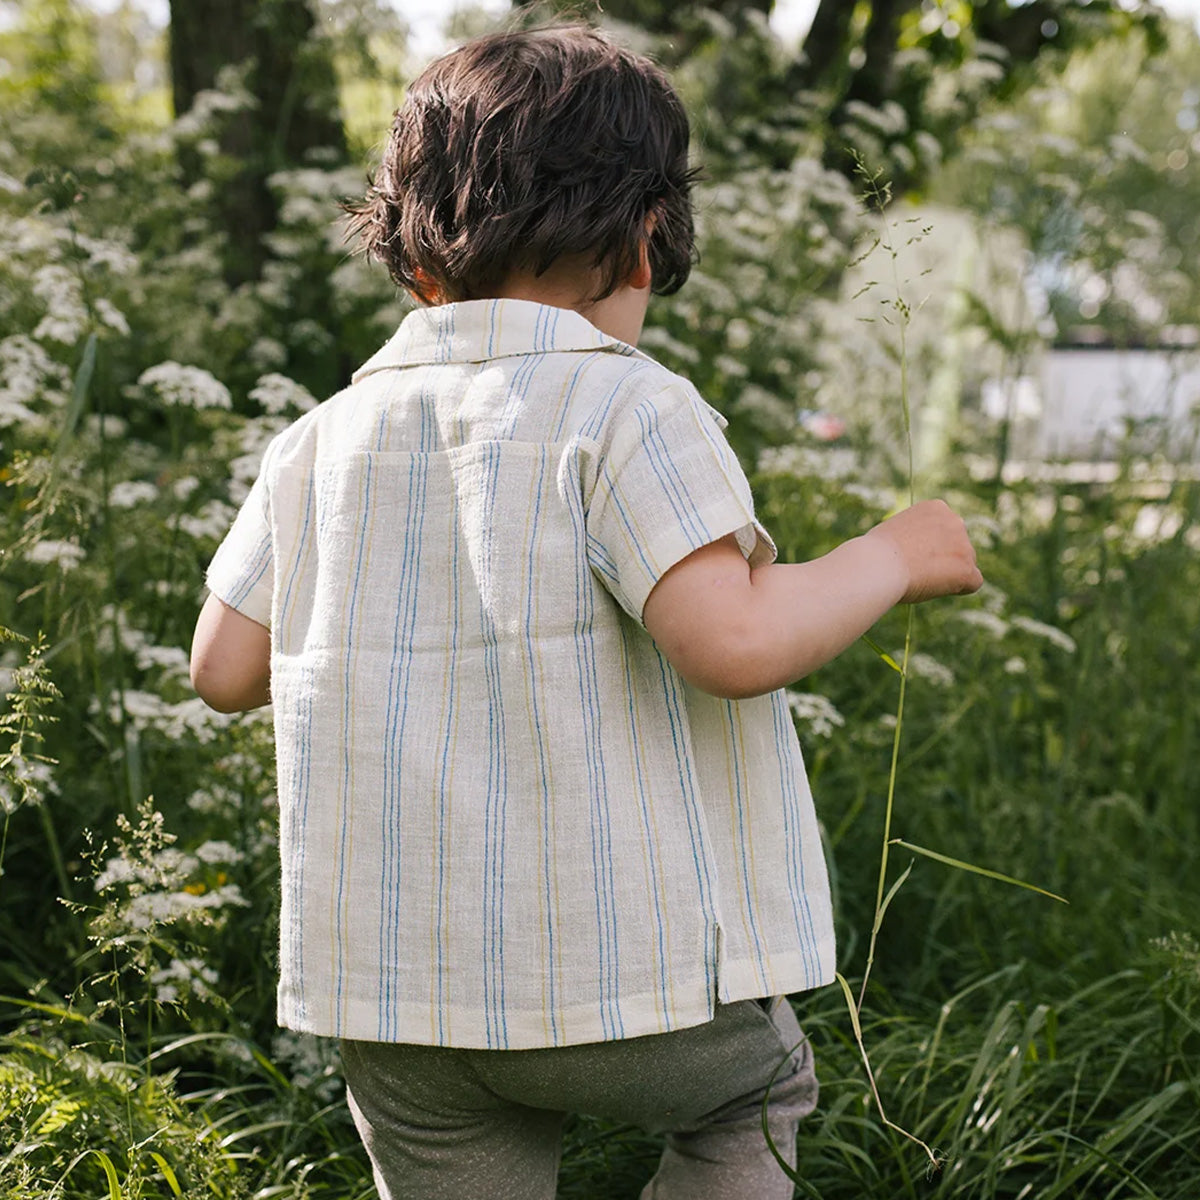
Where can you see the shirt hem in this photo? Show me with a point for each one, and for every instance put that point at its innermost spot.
(637, 1016)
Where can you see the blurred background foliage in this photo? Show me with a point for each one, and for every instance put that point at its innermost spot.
(174, 288)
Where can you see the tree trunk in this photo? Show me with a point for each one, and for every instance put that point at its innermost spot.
(293, 117)
(826, 47)
(873, 81)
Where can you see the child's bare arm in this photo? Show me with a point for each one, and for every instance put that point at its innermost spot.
(231, 659)
(738, 632)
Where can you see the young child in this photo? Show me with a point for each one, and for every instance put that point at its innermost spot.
(546, 838)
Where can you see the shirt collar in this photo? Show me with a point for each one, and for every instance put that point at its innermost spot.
(479, 330)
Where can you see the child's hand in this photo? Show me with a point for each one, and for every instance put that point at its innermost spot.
(934, 549)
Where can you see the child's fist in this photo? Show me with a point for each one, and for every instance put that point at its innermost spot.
(934, 549)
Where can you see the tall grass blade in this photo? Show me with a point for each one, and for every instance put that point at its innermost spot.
(167, 1173)
(966, 866)
(51, 1010)
(887, 900)
(114, 1184)
(852, 1008)
(79, 393)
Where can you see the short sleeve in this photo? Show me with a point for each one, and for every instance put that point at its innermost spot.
(242, 570)
(668, 483)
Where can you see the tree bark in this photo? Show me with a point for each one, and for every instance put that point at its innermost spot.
(293, 117)
(873, 82)
(826, 47)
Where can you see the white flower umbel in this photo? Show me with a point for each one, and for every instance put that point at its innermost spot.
(982, 619)
(925, 666)
(210, 522)
(277, 393)
(129, 493)
(62, 554)
(185, 386)
(27, 374)
(61, 292)
(1049, 633)
(183, 976)
(816, 712)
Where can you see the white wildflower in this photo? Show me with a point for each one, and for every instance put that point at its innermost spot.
(184, 486)
(218, 852)
(12, 411)
(738, 334)
(61, 291)
(141, 709)
(186, 386)
(215, 799)
(980, 617)
(817, 712)
(104, 252)
(267, 352)
(208, 105)
(243, 471)
(196, 718)
(212, 521)
(112, 620)
(732, 368)
(1053, 635)
(1015, 665)
(312, 1062)
(116, 871)
(189, 718)
(925, 666)
(658, 340)
(165, 908)
(111, 316)
(183, 975)
(129, 493)
(27, 374)
(277, 393)
(25, 781)
(63, 554)
(171, 659)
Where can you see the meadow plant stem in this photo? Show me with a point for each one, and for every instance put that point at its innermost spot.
(903, 313)
(56, 856)
(889, 808)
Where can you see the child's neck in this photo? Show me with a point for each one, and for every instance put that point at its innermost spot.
(620, 315)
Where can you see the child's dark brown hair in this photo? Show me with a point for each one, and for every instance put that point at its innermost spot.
(519, 148)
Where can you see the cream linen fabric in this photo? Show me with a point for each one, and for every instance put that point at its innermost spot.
(505, 821)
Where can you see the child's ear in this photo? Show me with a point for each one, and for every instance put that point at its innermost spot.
(429, 293)
(642, 275)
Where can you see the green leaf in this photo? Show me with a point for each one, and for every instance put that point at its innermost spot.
(167, 1173)
(851, 1007)
(890, 896)
(59, 1115)
(52, 1010)
(965, 866)
(887, 658)
(82, 385)
(114, 1185)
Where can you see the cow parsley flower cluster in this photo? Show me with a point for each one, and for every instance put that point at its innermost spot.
(277, 394)
(185, 386)
(817, 713)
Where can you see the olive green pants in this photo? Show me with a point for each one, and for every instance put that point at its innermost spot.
(449, 1124)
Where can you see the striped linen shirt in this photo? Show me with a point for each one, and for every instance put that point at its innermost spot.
(506, 821)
